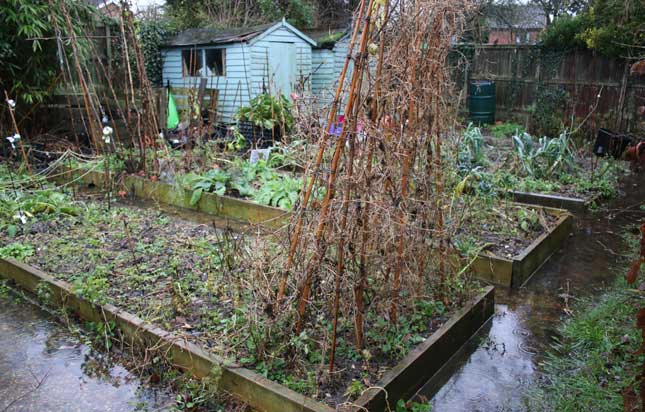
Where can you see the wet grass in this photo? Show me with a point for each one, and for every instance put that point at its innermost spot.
(595, 358)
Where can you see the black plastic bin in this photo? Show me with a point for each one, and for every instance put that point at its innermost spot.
(610, 143)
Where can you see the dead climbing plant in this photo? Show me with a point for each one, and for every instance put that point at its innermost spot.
(370, 235)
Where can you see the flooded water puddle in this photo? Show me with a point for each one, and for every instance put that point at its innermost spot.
(494, 371)
(43, 367)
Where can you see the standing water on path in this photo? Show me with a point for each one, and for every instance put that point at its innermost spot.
(43, 367)
(493, 372)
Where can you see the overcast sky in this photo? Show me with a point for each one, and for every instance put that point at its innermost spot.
(141, 4)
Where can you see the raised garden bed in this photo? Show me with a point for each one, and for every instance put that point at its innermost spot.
(401, 382)
(574, 204)
(515, 268)
(176, 283)
(210, 203)
(545, 172)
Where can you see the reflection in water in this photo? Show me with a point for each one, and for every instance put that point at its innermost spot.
(494, 370)
(44, 368)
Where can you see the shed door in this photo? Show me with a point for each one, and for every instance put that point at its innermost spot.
(282, 64)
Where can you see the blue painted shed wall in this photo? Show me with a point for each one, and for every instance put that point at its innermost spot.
(323, 75)
(259, 53)
(246, 69)
(233, 87)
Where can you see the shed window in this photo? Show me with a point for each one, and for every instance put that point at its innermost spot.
(215, 59)
(203, 62)
(191, 62)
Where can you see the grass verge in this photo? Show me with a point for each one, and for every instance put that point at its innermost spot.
(595, 360)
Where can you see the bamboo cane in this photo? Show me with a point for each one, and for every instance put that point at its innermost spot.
(316, 259)
(295, 239)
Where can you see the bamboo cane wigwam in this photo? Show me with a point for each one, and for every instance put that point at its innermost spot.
(377, 240)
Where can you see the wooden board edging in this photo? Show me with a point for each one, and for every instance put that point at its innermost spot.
(264, 395)
(572, 204)
(259, 392)
(516, 271)
(425, 360)
(210, 203)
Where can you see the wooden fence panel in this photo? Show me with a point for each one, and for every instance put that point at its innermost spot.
(521, 71)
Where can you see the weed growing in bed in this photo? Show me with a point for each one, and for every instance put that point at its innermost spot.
(17, 251)
(506, 129)
(44, 292)
(4, 289)
(92, 286)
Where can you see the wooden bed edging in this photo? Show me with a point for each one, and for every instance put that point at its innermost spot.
(573, 204)
(210, 203)
(515, 271)
(259, 392)
(409, 375)
(401, 382)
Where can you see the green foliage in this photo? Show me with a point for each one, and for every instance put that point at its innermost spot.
(608, 27)
(20, 207)
(467, 246)
(256, 181)
(44, 292)
(4, 289)
(306, 386)
(471, 149)
(29, 64)
(506, 129)
(282, 192)
(245, 173)
(195, 394)
(17, 251)
(529, 220)
(355, 388)
(92, 286)
(547, 112)
(239, 141)
(103, 332)
(509, 181)
(403, 406)
(562, 34)
(594, 358)
(298, 12)
(286, 155)
(229, 13)
(267, 111)
(215, 180)
(603, 180)
(152, 32)
(546, 158)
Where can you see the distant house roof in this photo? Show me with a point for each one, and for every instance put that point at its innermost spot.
(327, 38)
(519, 16)
(210, 36)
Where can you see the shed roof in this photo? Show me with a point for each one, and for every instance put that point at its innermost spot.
(327, 38)
(211, 36)
(192, 37)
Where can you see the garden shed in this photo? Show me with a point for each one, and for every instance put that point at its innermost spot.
(327, 60)
(238, 64)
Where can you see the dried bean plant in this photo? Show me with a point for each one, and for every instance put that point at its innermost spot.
(370, 234)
